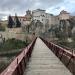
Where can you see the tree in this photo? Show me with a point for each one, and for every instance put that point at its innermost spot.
(63, 27)
(28, 27)
(72, 25)
(10, 22)
(2, 28)
(39, 27)
(32, 25)
(17, 22)
(39, 24)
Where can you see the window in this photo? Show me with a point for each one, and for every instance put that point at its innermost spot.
(43, 15)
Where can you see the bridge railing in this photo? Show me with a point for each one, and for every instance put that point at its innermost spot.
(67, 57)
(18, 65)
(67, 48)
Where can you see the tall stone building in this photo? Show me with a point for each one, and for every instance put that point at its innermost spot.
(42, 16)
(39, 14)
(64, 15)
(65, 24)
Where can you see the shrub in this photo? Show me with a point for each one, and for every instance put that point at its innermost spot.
(11, 44)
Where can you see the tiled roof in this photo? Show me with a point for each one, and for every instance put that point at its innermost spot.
(19, 16)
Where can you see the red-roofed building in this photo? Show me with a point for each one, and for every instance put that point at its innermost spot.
(24, 20)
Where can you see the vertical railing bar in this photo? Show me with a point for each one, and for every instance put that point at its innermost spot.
(61, 55)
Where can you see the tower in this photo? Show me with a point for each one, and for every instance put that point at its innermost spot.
(28, 15)
(28, 12)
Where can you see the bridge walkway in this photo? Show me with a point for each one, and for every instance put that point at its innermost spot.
(44, 62)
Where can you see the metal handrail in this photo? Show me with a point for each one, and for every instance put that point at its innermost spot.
(18, 65)
(62, 54)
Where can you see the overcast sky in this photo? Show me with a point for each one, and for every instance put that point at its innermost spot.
(20, 6)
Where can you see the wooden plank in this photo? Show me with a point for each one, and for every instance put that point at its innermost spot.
(44, 62)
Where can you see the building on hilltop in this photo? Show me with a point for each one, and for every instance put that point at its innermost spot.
(64, 15)
(24, 20)
(43, 17)
(38, 14)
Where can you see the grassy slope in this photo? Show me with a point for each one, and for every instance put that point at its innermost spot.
(10, 46)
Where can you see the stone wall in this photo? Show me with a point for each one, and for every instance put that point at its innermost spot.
(16, 33)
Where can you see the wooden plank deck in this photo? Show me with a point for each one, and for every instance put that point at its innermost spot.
(44, 62)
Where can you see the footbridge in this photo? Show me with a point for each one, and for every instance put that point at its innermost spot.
(42, 58)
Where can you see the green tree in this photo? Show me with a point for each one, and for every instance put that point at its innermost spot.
(17, 22)
(28, 28)
(2, 28)
(72, 24)
(10, 22)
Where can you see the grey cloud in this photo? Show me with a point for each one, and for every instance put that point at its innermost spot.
(24, 4)
(20, 6)
(73, 13)
(2, 15)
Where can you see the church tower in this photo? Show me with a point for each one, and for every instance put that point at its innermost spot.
(28, 15)
(28, 12)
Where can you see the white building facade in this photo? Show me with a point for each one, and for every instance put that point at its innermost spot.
(42, 16)
(39, 14)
